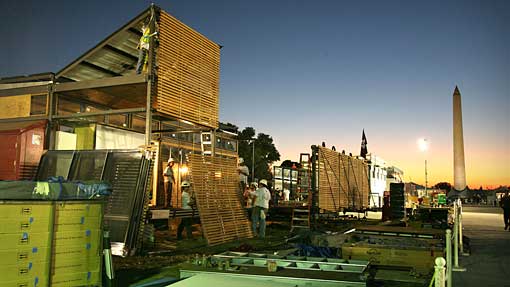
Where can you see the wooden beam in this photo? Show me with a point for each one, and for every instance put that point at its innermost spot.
(99, 68)
(102, 113)
(24, 91)
(121, 52)
(100, 83)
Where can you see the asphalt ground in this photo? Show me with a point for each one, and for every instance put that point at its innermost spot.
(489, 262)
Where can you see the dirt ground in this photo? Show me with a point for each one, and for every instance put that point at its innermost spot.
(162, 259)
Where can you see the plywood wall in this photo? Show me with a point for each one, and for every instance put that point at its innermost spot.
(215, 185)
(188, 73)
(15, 106)
(343, 181)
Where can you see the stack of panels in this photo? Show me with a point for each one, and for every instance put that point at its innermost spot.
(343, 181)
(188, 73)
(127, 171)
(57, 241)
(215, 185)
(397, 200)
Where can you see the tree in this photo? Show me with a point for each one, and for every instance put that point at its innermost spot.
(265, 152)
(444, 186)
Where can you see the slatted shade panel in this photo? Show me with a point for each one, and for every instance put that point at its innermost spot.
(215, 184)
(188, 73)
(343, 181)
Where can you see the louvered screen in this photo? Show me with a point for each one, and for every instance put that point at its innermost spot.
(215, 185)
(188, 73)
(343, 181)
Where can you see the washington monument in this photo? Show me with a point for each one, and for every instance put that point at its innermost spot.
(459, 167)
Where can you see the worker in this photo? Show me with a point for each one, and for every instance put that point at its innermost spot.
(143, 47)
(505, 204)
(243, 172)
(248, 194)
(260, 208)
(187, 202)
(168, 181)
(286, 194)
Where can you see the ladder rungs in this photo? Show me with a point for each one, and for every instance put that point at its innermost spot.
(301, 210)
(300, 219)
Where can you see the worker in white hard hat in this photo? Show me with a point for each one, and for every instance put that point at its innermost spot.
(187, 202)
(168, 181)
(243, 172)
(262, 196)
(248, 194)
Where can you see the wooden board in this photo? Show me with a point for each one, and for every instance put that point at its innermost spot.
(188, 73)
(343, 181)
(15, 106)
(214, 181)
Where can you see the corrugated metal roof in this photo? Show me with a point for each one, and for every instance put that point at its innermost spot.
(115, 56)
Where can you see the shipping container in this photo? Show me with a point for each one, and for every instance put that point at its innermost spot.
(21, 147)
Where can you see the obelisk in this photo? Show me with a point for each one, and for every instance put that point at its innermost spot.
(459, 167)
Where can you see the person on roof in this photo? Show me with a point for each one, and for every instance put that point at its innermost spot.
(143, 47)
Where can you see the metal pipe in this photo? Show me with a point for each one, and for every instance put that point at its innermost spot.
(253, 161)
(150, 80)
(101, 113)
(439, 274)
(426, 181)
(461, 244)
(448, 258)
(456, 240)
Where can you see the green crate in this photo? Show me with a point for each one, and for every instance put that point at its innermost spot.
(24, 255)
(24, 240)
(24, 224)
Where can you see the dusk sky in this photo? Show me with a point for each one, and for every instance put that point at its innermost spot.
(311, 71)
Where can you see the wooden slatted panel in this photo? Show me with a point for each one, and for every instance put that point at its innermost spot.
(188, 73)
(343, 182)
(215, 184)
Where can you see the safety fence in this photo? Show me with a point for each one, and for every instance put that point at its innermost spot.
(444, 267)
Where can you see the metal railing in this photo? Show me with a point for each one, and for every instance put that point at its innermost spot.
(443, 268)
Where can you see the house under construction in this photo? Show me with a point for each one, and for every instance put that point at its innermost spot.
(99, 102)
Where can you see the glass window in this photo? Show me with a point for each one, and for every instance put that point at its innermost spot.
(38, 105)
(66, 107)
(117, 120)
(138, 124)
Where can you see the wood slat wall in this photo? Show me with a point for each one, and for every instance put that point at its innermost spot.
(188, 73)
(343, 181)
(215, 184)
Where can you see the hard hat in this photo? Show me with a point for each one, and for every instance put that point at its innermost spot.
(185, 183)
(241, 160)
(256, 185)
(263, 182)
(170, 160)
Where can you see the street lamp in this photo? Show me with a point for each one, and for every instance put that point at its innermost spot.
(423, 145)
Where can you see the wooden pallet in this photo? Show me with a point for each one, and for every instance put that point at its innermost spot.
(215, 184)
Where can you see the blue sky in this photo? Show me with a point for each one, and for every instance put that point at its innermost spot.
(312, 71)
